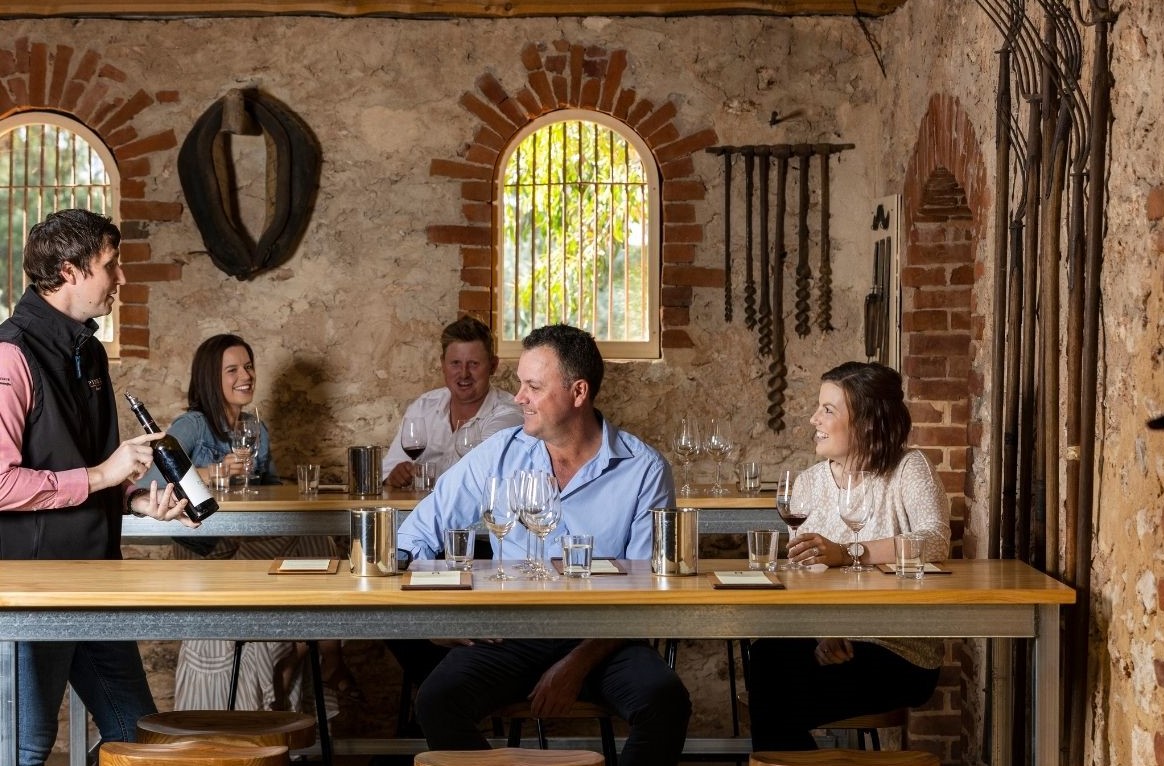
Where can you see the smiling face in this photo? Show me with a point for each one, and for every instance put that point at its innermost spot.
(549, 403)
(238, 379)
(88, 296)
(833, 423)
(467, 367)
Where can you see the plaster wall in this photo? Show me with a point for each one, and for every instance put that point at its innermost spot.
(345, 333)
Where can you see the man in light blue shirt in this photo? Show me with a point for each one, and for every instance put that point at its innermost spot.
(609, 482)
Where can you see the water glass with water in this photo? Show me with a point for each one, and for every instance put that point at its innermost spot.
(577, 555)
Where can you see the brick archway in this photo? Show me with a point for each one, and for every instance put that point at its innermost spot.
(944, 204)
(37, 76)
(565, 75)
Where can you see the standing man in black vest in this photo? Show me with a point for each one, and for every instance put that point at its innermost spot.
(64, 471)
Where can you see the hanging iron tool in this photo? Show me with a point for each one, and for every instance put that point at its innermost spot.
(824, 284)
(749, 193)
(727, 233)
(803, 270)
(778, 370)
(764, 319)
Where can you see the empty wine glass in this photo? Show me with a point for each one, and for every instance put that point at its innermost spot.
(687, 446)
(541, 512)
(244, 443)
(718, 444)
(516, 487)
(792, 511)
(499, 517)
(413, 438)
(856, 504)
(467, 437)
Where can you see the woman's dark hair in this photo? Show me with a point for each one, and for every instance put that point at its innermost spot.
(205, 394)
(879, 420)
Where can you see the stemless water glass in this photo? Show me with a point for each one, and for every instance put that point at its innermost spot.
(718, 444)
(499, 517)
(687, 446)
(793, 510)
(856, 505)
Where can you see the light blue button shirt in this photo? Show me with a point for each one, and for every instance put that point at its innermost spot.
(610, 497)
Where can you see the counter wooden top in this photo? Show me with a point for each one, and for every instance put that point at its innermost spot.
(147, 584)
(286, 497)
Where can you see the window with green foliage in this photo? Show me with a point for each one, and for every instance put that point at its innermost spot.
(578, 235)
(49, 163)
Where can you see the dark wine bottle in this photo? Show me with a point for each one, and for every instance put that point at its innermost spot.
(176, 466)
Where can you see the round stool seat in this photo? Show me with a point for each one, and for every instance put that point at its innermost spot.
(829, 757)
(256, 727)
(191, 753)
(509, 756)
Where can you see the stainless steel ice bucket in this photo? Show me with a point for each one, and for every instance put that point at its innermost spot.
(364, 471)
(373, 546)
(675, 541)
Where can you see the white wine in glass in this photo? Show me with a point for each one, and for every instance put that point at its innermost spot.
(499, 517)
(856, 504)
(687, 446)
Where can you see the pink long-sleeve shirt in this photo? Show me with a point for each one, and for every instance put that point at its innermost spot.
(27, 489)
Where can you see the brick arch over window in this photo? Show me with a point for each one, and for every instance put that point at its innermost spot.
(38, 76)
(944, 204)
(569, 75)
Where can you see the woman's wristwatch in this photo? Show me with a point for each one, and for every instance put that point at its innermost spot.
(847, 558)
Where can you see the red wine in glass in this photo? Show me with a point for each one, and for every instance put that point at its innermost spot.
(414, 452)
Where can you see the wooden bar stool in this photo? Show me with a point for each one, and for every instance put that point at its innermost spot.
(519, 712)
(831, 757)
(191, 753)
(866, 726)
(294, 731)
(509, 756)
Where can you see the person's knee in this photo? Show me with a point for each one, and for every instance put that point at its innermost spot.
(665, 699)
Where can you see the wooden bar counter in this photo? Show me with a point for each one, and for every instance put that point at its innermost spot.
(280, 510)
(158, 599)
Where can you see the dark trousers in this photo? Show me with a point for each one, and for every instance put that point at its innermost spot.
(789, 694)
(634, 682)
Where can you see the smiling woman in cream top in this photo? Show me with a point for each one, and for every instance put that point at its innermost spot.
(861, 424)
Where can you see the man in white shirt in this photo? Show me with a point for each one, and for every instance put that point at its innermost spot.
(468, 362)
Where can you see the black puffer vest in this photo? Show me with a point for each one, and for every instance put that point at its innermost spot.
(72, 424)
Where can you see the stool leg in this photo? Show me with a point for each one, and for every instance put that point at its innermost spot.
(543, 743)
(731, 674)
(320, 706)
(234, 671)
(609, 751)
(514, 733)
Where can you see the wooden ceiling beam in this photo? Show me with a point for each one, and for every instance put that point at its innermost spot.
(440, 8)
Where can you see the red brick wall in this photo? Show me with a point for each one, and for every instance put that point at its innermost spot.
(944, 200)
(562, 75)
(35, 76)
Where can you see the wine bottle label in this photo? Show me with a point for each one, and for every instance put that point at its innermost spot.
(194, 488)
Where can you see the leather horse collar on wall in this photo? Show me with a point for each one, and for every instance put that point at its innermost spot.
(293, 165)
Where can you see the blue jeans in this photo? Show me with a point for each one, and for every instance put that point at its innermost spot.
(107, 675)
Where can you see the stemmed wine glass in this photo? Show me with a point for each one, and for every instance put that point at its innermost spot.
(793, 512)
(516, 486)
(687, 446)
(466, 437)
(244, 443)
(718, 444)
(856, 504)
(541, 511)
(413, 438)
(499, 517)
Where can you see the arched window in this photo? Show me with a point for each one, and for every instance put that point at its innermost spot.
(47, 163)
(578, 238)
